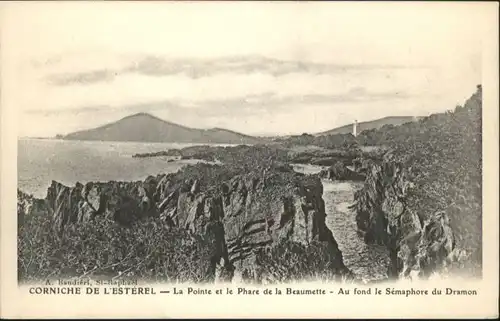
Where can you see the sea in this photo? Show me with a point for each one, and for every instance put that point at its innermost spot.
(42, 160)
(39, 161)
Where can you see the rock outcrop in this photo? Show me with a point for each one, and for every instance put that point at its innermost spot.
(341, 172)
(123, 202)
(424, 199)
(28, 205)
(239, 213)
(250, 212)
(418, 244)
(362, 165)
(323, 157)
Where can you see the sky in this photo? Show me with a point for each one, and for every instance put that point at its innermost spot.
(256, 68)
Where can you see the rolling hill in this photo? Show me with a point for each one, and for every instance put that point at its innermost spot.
(143, 127)
(373, 124)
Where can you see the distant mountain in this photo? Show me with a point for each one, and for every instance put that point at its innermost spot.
(391, 120)
(143, 127)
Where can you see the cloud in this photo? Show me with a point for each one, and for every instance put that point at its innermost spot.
(82, 78)
(243, 106)
(195, 68)
(158, 66)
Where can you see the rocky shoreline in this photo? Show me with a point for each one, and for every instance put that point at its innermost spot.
(241, 214)
(262, 221)
(312, 156)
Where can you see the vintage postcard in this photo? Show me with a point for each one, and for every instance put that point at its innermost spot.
(249, 159)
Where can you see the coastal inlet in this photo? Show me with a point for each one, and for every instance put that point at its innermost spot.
(369, 262)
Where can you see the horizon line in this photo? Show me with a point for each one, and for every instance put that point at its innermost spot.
(256, 135)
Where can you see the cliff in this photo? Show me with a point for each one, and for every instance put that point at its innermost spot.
(241, 215)
(423, 201)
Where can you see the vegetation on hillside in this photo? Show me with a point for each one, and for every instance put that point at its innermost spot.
(334, 141)
(292, 262)
(442, 154)
(371, 124)
(147, 250)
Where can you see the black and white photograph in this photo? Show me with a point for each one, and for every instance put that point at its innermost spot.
(246, 144)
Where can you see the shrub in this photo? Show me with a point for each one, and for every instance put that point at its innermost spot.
(290, 261)
(149, 250)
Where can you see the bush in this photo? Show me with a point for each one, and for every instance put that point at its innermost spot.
(148, 250)
(290, 261)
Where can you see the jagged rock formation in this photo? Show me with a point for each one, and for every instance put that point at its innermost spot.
(362, 165)
(423, 201)
(341, 172)
(418, 244)
(240, 213)
(123, 202)
(28, 205)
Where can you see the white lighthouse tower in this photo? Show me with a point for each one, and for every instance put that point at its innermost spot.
(355, 128)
